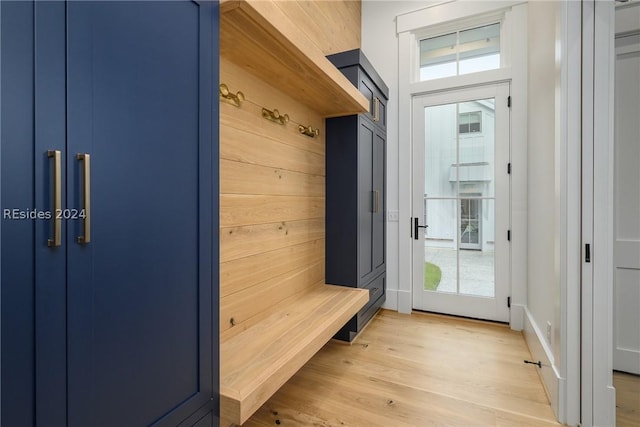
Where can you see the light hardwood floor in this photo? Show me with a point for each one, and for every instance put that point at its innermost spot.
(627, 399)
(418, 370)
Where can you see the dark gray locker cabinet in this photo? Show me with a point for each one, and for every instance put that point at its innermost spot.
(356, 193)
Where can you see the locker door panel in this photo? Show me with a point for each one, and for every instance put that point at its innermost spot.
(51, 266)
(365, 199)
(140, 300)
(17, 182)
(379, 186)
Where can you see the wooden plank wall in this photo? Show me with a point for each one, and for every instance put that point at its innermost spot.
(333, 25)
(272, 190)
(272, 180)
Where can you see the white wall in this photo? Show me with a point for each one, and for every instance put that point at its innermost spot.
(541, 272)
(543, 323)
(380, 45)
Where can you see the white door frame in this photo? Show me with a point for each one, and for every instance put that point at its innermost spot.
(598, 393)
(410, 26)
(569, 210)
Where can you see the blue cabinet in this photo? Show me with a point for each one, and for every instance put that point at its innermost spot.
(114, 103)
(355, 201)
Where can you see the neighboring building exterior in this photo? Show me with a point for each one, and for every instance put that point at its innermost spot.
(471, 223)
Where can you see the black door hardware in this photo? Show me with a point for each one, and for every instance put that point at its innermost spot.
(416, 226)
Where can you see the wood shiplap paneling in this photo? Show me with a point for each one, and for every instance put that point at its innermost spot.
(242, 305)
(272, 196)
(243, 178)
(257, 148)
(239, 242)
(334, 26)
(245, 272)
(250, 209)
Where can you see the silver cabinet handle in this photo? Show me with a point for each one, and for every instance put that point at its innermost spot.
(57, 198)
(376, 109)
(86, 191)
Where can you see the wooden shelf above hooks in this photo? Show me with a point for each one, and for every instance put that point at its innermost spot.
(258, 36)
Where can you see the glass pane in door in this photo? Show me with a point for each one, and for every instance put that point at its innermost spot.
(459, 197)
(477, 262)
(476, 148)
(440, 249)
(440, 150)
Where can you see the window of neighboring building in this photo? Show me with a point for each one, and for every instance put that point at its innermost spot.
(470, 122)
(461, 52)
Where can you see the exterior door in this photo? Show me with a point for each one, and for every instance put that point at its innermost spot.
(626, 245)
(461, 255)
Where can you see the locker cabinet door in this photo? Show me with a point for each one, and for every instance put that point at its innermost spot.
(140, 298)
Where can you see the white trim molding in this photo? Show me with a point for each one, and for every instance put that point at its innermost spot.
(445, 16)
(517, 316)
(568, 170)
(598, 393)
(540, 351)
(446, 12)
(391, 299)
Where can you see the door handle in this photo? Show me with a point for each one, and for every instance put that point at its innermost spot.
(57, 198)
(376, 109)
(416, 227)
(86, 192)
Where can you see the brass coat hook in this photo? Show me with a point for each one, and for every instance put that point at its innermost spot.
(230, 98)
(309, 131)
(275, 116)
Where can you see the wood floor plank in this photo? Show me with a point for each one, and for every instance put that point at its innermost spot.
(455, 384)
(627, 399)
(415, 370)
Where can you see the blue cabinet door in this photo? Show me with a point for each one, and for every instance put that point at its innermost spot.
(16, 192)
(120, 331)
(140, 300)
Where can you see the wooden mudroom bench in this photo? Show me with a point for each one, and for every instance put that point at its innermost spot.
(276, 311)
(255, 363)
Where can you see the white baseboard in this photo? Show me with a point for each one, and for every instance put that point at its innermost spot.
(541, 351)
(398, 300)
(391, 300)
(516, 320)
(404, 302)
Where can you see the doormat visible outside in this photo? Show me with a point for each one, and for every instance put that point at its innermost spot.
(432, 276)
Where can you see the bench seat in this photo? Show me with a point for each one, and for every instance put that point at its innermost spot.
(255, 363)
